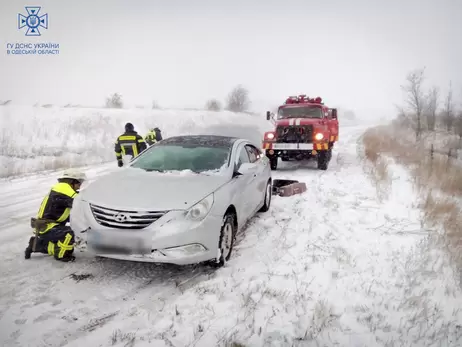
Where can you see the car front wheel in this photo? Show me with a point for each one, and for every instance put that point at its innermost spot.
(226, 241)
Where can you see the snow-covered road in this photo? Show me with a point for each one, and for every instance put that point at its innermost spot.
(331, 267)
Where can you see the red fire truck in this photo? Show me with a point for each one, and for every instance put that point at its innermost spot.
(305, 128)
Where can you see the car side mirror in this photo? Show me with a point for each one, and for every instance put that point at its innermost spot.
(334, 113)
(268, 115)
(245, 169)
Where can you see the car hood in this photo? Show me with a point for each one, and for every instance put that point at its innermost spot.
(132, 188)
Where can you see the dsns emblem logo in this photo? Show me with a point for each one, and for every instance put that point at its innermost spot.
(33, 21)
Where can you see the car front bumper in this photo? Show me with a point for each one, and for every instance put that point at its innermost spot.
(170, 239)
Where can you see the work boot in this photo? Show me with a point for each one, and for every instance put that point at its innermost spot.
(68, 257)
(29, 249)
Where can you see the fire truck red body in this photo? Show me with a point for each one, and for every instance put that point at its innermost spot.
(305, 128)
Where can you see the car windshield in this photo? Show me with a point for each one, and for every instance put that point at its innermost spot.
(300, 112)
(178, 157)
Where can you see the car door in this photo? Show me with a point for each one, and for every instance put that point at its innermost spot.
(242, 186)
(259, 180)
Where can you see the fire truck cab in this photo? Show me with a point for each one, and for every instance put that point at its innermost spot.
(305, 128)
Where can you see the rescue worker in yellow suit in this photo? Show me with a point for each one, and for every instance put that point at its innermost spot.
(154, 135)
(53, 237)
(129, 143)
(151, 136)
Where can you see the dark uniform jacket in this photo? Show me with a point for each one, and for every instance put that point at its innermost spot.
(56, 207)
(158, 134)
(129, 143)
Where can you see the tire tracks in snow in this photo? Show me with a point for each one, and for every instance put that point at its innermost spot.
(166, 288)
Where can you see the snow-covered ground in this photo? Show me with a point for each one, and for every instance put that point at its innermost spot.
(330, 267)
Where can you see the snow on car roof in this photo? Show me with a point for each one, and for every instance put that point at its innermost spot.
(200, 140)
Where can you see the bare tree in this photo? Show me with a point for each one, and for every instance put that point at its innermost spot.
(403, 119)
(349, 114)
(432, 105)
(458, 127)
(114, 101)
(213, 105)
(415, 97)
(448, 111)
(238, 99)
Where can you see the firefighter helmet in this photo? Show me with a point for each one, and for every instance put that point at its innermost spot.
(129, 127)
(74, 174)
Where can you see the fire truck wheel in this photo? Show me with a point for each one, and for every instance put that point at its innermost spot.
(323, 160)
(274, 163)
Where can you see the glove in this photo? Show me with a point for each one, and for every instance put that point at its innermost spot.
(120, 163)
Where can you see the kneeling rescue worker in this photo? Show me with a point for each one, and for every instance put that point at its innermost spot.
(129, 143)
(52, 236)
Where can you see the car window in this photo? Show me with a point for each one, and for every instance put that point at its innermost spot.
(243, 158)
(176, 157)
(258, 152)
(254, 153)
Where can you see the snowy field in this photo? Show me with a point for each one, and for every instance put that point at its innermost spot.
(330, 267)
(35, 139)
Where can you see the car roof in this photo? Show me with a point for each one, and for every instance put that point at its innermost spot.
(209, 140)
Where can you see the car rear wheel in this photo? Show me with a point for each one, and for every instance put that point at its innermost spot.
(226, 241)
(268, 195)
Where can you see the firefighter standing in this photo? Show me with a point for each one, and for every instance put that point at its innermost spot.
(129, 143)
(158, 134)
(53, 237)
(154, 135)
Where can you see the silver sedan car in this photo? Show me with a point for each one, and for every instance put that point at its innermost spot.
(181, 201)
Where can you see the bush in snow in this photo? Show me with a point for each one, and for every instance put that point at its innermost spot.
(114, 101)
(155, 105)
(213, 105)
(238, 100)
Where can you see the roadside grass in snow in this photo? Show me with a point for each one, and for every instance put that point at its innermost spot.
(438, 179)
(127, 339)
(376, 163)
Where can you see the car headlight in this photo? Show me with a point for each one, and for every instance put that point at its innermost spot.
(200, 210)
(270, 136)
(77, 219)
(319, 136)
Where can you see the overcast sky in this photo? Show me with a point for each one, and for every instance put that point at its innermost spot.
(353, 53)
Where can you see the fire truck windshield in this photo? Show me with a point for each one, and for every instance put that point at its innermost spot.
(299, 112)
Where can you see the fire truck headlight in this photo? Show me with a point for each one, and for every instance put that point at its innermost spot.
(270, 136)
(319, 136)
